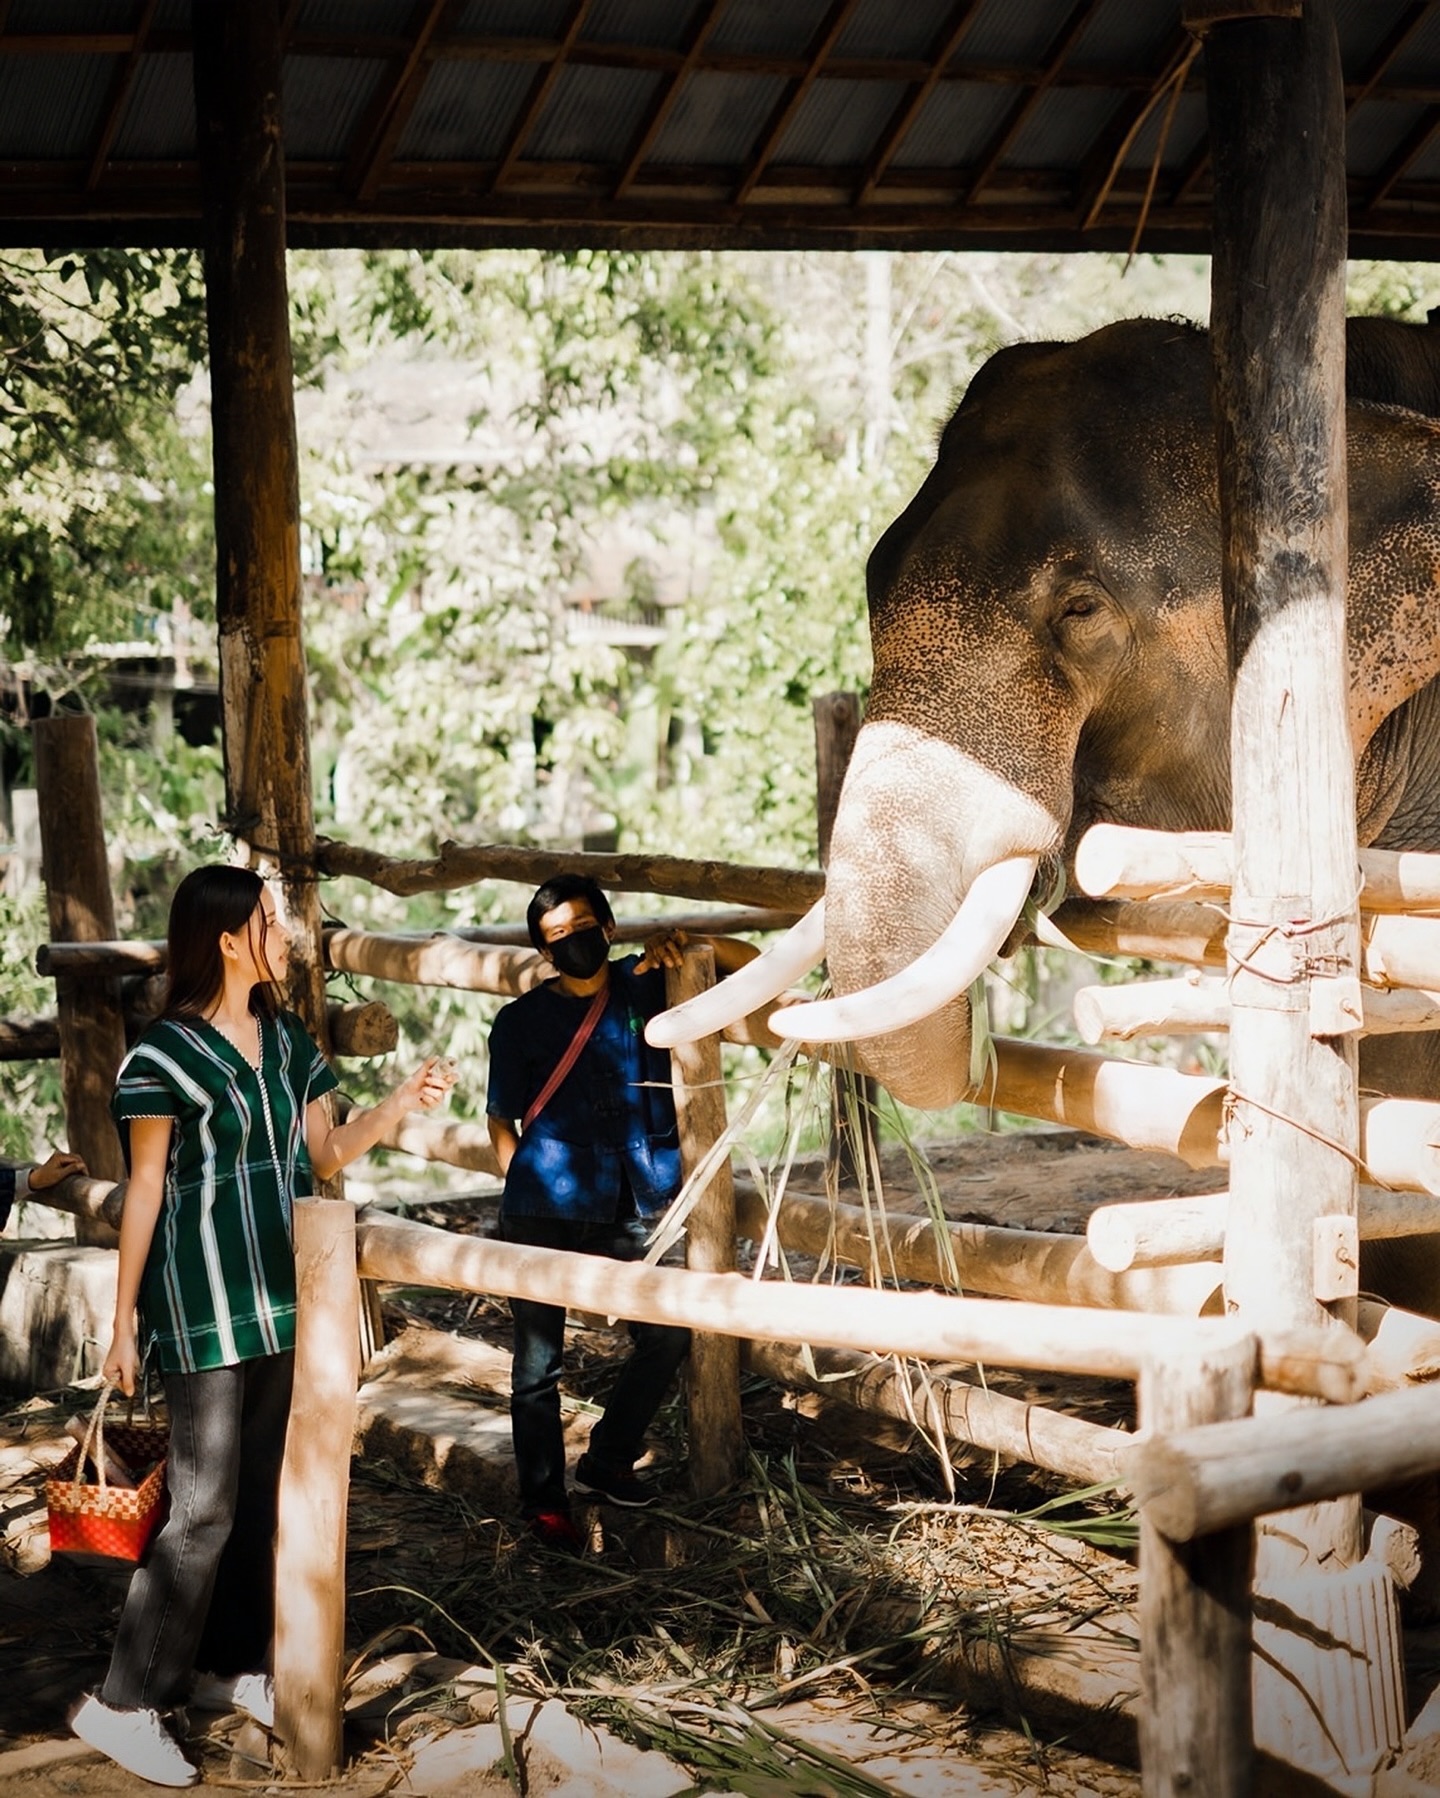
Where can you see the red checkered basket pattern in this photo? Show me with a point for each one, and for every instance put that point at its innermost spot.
(89, 1516)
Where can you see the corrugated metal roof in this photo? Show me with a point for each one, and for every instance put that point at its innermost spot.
(465, 112)
(694, 121)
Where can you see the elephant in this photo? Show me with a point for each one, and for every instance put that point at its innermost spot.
(1050, 652)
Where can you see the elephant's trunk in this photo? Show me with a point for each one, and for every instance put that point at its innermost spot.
(919, 823)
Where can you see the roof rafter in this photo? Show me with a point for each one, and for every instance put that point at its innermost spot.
(538, 95)
(1060, 47)
(389, 112)
(1417, 140)
(1405, 28)
(702, 23)
(119, 94)
(777, 124)
(1106, 156)
(910, 108)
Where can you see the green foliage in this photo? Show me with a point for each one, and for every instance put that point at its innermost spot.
(98, 347)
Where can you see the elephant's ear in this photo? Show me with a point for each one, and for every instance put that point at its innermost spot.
(1393, 598)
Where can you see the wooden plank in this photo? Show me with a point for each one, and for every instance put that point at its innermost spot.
(264, 701)
(717, 1437)
(463, 864)
(314, 1488)
(80, 907)
(1194, 1608)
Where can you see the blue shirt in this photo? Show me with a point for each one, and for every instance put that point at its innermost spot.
(607, 1136)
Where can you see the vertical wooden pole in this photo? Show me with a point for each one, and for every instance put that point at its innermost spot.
(1276, 104)
(717, 1441)
(314, 1487)
(853, 1097)
(81, 910)
(1194, 1611)
(264, 704)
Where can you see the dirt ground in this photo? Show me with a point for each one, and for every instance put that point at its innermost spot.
(796, 1636)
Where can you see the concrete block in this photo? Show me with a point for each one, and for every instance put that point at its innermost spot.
(57, 1309)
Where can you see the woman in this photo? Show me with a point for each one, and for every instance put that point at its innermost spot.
(220, 1108)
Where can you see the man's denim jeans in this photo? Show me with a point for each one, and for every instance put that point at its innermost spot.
(205, 1594)
(619, 1436)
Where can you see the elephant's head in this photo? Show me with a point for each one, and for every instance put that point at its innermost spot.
(1050, 651)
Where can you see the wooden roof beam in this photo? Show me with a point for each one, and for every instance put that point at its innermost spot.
(1404, 29)
(702, 24)
(1416, 142)
(1070, 34)
(539, 94)
(389, 112)
(1106, 156)
(119, 95)
(776, 125)
(913, 104)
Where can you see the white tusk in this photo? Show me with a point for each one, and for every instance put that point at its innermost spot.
(969, 944)
(801, 948)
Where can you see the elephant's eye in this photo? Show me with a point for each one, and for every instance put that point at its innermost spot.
(1079, 605)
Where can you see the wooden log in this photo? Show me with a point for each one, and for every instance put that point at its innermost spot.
(1156, 1108)
(361, 1030)
(449, 1140)
(462, 865)
(1087, 1453)
(1151, 1008)
(740, 920)
(439, 960)
(80, 908)
(1402, 1348)
(1159, 1233)
(1042, 1266)
(357, 1030)
(236, 57)
(110, 957)
(29, 1039)
(1192, 1482)
(1394, 951)
(1116, 861)
(314, 1487)
(1195, 1003)
(930, 1326)
(1194, 1607)
(1133, 1102)
(717, 1437)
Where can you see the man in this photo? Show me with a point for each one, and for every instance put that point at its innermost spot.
(582, 1116)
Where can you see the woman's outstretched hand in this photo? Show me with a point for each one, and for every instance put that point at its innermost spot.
(429, 1085)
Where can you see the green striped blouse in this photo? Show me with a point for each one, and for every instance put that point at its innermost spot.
(219, 1283)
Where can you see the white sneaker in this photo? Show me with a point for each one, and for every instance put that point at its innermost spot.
(138, 1741)
(253, 1693)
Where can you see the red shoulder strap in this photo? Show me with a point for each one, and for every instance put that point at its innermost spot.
(569, 1058)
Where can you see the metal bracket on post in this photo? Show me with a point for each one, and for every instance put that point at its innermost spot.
(1198, 16)
(1337, 1258)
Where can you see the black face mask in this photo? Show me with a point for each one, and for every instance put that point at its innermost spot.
(582, 953)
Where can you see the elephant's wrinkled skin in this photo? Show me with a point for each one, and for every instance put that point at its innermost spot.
(1050, 648)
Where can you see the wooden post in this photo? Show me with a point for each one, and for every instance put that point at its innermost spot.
(314, 1488)
(81, 909)
(263, 696)
(717, 1443)
(1276, 105)
(853, 1097)
(1194, 1610)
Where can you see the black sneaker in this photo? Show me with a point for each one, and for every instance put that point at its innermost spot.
(555, 1530)
(610, 1482)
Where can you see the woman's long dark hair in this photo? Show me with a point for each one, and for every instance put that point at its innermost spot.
(209, 903)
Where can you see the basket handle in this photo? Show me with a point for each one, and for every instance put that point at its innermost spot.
(94, 1435)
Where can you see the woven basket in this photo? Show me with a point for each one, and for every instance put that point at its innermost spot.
(92, 1517)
